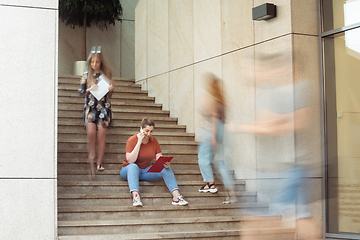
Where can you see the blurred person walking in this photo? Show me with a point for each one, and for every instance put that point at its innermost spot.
(212, 111)
(283, 113)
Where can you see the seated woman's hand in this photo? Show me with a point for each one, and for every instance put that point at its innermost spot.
(166, 164)
(140, 136)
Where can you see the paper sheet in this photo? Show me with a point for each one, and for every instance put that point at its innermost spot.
(103, 87)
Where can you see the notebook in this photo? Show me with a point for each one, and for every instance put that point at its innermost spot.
(158, 166)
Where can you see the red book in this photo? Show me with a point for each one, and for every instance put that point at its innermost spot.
(158, 166)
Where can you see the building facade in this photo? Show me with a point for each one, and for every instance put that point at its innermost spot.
(175, 43)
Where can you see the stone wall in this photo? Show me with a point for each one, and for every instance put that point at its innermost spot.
(28, 136)
(176, 42)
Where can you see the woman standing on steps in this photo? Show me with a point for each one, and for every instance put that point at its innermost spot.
(141, 149)
(212, 112)
(97, 113)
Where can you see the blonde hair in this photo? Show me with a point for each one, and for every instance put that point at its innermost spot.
(104, 67)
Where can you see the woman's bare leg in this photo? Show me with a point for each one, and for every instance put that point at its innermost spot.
(91, 141)
(101, 143)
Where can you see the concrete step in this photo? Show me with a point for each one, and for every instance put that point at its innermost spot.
(172, 224)
(178, 163)
(114, 107)
(126, 210)
(97, 187)
(116, 145)
(149, 199)
(116, 134)
(119, 120)
(118, 94)
(100, 212)
(117, 113)
(117, 84)
(165, 152)
(71, 79)
(128, 97)
(112, 174)
(117, 89)
(69, 125)
(227, 234)
(80, 154)
(79, 102)
(77, 162)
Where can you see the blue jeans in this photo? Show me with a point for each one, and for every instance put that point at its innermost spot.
(291, 192)
(133, 174)
(207, 154)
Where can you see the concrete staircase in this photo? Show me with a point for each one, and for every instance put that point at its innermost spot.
(102, 209)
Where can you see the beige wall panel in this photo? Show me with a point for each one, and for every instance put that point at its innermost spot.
(128, 9)
(127, 49)
(343, 135)
(207, 29)
(353, 134)
(28, 133)
(274, 93)
(28, 208)
(181, 33)
(237, 24)
(70, 47)
(182, 97)
(304, 14)
(109, 40)
(159, 87)
(141, 40)
(341, 60)
(265, 30)
(306, 67)
(239, 90)
(158, 37)
(144, 84)
(213, 65)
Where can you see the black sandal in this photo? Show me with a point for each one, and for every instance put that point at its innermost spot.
(99, 167)
(209, 189)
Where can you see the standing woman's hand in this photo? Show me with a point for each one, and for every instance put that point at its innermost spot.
(111, 88)
(93, 87)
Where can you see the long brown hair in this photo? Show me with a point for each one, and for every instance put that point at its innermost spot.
(104, 67)
(216, 92)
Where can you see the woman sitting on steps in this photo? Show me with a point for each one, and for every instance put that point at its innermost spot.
(141, 149)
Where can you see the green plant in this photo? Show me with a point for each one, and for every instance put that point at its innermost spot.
(84, 13)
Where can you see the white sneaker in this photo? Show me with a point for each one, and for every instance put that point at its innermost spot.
(229, 200)
(136, 201)
(179, 201)
(209, 189)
